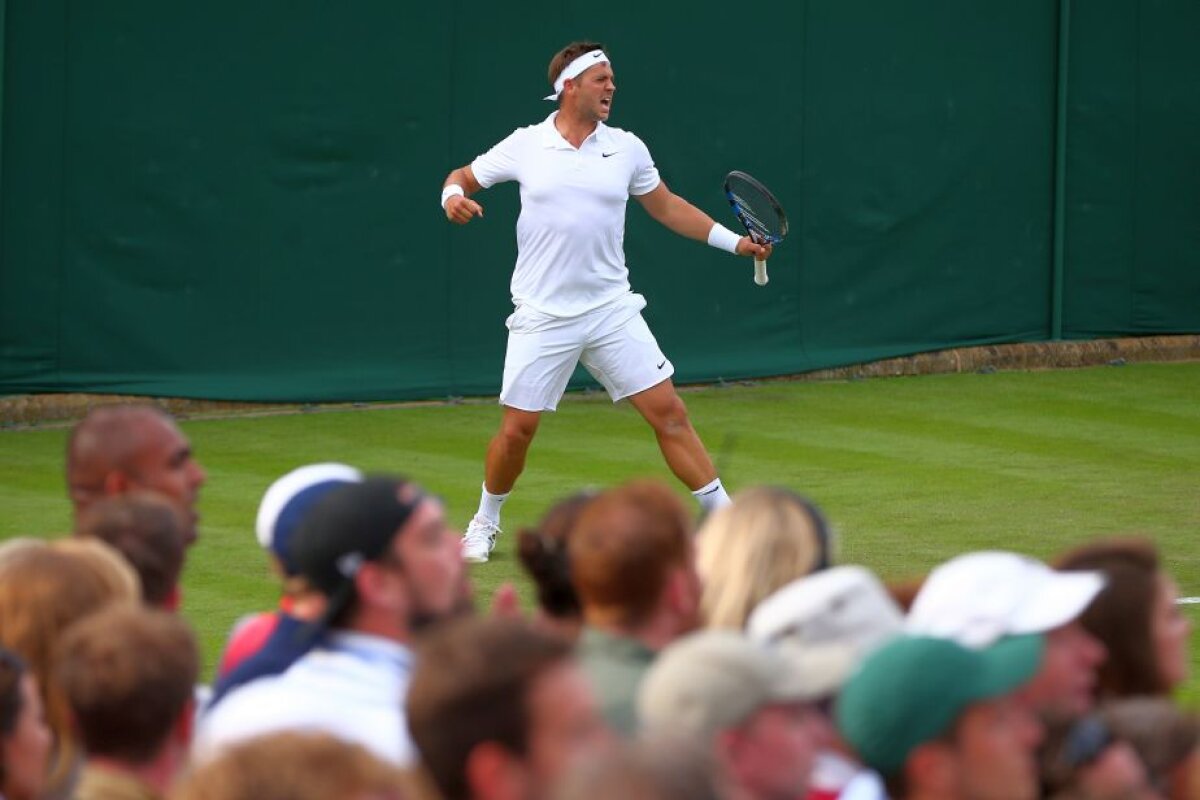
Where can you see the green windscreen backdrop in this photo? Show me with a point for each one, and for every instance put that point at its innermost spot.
(239, 200)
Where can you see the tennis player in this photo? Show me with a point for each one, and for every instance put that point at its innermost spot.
(571, 287)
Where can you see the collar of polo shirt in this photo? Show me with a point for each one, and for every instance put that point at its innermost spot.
(575, 69)
(551, 138)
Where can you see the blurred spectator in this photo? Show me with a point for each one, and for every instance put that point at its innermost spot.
(499, 709)
(128, 675)
(980, 598)
(1136, 618)
(382, 554)
(43, 589)
(1166, 739)
(765, 538)
(286, 502)
(826, 625)
(25, 740)
(744, 701)
(659, 768)
(295, 766)
(904, 592)
(120, 448)
(1083, 760)
(633, 566)
(939, 720)
(108, 566)
(148, 530)
(543, 554)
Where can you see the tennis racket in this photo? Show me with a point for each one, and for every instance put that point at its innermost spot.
(759, 212)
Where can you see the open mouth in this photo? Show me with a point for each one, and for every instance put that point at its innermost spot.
(606, 102)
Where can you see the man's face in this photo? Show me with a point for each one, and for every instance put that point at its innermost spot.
(565, 725)
(164, 463)
(1065, 685)
(430, 555)
(593, 92)
(771, 755)
(993, 751)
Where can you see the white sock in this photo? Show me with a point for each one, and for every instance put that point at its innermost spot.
(489, 505)
(712, 496)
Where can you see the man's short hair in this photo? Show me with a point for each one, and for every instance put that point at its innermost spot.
(128, 674)
(107, 439)
(568, 54)
(471, 685)
(623, 548)
(148, 530)
(655, 768)
(296, 765)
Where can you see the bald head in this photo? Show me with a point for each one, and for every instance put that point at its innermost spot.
(118, 449)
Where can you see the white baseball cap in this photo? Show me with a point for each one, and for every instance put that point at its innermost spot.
(289, 498)
(827, 623)
(977, 598)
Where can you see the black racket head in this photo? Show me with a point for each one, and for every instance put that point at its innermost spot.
(756, 208)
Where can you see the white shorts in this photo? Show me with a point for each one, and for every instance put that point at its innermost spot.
(612, 342)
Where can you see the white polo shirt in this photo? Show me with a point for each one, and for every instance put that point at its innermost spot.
(352, 687)
(571, 231)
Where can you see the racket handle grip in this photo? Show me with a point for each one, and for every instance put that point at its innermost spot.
(760, 272)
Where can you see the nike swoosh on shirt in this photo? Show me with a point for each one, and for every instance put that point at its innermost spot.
(662, 364)
(606, 155)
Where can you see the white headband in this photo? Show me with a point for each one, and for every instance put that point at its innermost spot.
(574, 69)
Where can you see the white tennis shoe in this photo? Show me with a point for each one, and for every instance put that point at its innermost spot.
(479, 540)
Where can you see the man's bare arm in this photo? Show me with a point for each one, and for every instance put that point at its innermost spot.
(460, 208)
(683, 218)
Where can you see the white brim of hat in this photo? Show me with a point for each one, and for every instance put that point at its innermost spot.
(977, 598)
(818, 672)
(1058, 600)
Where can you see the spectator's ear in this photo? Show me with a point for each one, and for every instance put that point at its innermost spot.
(932, 768)
(185, 727)
(117, 482)
(494, 773)
(682, 591)
(380, 585)
(726, 746)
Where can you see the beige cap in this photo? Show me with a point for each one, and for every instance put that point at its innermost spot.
(714, 680)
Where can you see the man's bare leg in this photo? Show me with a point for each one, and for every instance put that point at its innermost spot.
(663, 408)
(504, 464)
(507, 450)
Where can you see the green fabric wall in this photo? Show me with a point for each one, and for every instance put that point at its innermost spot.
(1133, 169)
(238, 200)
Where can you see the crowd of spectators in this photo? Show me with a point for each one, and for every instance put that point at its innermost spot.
(661, 658)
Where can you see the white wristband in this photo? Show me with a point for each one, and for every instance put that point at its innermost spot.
(450, 191)
(722, 238)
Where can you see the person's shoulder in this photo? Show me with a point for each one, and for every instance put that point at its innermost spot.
(622, 134)
(532, 129)
(626, 140)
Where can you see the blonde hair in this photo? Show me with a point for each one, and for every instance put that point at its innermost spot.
(747, 550)
(43, 589)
